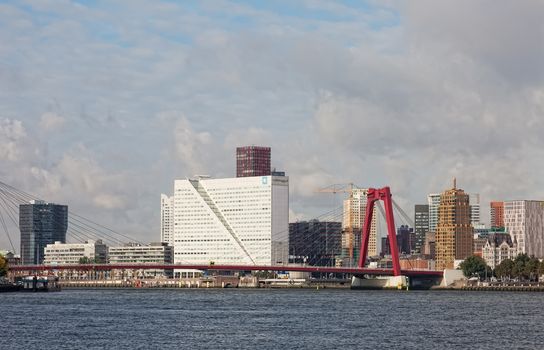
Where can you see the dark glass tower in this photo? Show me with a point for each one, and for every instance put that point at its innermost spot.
(421, 222)
(252, 161)
(40, 224)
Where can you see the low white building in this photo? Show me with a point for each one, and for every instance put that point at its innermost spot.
(153, 254)
(75, 253)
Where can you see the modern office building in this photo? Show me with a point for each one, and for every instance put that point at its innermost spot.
(421, 222)
(433, 200)
(167, 219)
(352, 225)
(524, 221)
(253, 161)
(60, 253)
(406, 241)
(134, 253)
(454, 232)
(41, 224)
(498, 247)
(474, 199)
(242, 220)
(315, 242)
(497, 214)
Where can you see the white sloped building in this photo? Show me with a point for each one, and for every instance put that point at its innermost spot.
(242, 220)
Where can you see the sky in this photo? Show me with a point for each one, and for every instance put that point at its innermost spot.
(104, 103)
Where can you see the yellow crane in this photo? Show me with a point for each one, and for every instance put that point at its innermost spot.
(348, 239)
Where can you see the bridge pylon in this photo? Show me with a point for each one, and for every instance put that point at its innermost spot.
(373, 195)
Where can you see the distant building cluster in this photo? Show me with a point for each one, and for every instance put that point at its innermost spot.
(245, 220)
(455, 232)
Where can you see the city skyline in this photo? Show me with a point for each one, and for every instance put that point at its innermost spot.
(103, 106)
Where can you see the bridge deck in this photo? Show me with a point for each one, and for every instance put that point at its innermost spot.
(351, 270)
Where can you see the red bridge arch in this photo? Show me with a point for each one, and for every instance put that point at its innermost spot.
(373, 195)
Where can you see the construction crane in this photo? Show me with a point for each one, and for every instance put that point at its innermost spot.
(348, 236)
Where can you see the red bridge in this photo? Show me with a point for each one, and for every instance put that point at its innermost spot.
(108, 267)
(373, 195)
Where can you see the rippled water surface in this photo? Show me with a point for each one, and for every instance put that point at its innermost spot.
(271, 319)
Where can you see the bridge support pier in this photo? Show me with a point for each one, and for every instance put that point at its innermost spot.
(382, 282)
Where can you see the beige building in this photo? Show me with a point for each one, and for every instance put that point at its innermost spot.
(454, 232)
(352, 225)
(497, 248)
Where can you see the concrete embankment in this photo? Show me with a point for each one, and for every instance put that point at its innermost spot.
(504, 288)
(215, 282)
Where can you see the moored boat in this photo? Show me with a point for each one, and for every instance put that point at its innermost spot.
(40, 284)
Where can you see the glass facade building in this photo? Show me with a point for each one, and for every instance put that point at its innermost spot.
(41, 224)
(421, 222)
(253, 161)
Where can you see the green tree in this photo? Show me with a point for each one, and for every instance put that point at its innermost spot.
(532, 267)
(504, 269)
(541, 268)
(3, 266)
(475, 266)
(519, 269)
(84, 260)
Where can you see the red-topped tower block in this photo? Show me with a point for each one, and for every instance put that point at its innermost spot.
(383, 194)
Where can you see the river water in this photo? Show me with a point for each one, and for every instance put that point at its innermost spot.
(271, 319)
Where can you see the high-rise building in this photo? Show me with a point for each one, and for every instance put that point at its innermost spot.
(41, 224)
(421, 222)
(454, 232)
(167, 219)
(315, 242)
(241, 220)
(474, 199)
(352, 225)
(406, 240)
(524, 221)
(252, 161)
(497, 214)
(433, 200)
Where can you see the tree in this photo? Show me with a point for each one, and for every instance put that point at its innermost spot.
(541, 268)
(504, 269)
(86, 260)
(532, 267)
(475, 266)
(519, 269)
(3, 266)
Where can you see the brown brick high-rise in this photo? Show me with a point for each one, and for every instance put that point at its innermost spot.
(252, 161)
(454, 232)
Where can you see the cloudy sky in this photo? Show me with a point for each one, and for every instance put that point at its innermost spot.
(103, 104)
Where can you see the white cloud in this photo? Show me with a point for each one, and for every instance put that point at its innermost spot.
(402, 95)
(12, 134)
(51, 121)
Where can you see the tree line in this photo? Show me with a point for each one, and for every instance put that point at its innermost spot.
(523, 268)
